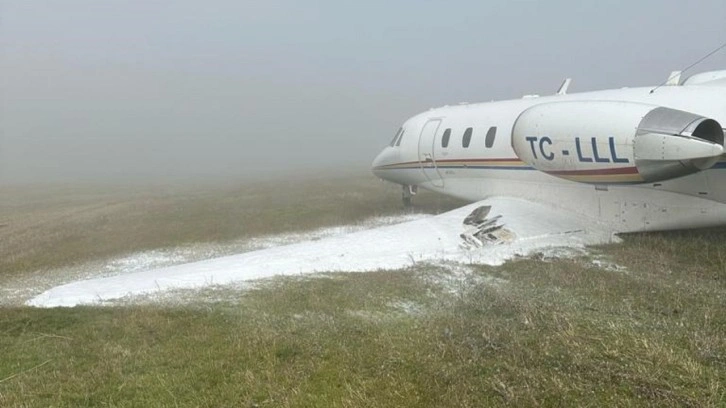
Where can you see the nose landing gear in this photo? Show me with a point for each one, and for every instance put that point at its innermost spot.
(408, 193)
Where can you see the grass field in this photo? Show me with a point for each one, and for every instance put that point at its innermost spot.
(641, 323)
(47, 227)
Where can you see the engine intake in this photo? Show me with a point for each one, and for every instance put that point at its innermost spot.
(616, 142)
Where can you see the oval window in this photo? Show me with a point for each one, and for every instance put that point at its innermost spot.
(467, 137)
(445, 138)
(491, 134)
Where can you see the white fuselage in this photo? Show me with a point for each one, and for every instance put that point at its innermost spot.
(490, 167)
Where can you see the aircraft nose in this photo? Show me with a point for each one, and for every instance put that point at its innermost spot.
(377, 163)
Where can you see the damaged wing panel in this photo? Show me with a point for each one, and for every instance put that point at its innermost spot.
(496, 230)
(480, 230)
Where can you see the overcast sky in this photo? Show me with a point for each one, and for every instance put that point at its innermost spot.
(109, 90)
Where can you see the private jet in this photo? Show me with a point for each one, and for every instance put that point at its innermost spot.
(626, 160)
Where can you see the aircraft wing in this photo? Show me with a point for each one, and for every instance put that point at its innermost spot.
(497, 229)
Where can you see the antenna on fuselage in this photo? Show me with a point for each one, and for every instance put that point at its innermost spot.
(565, 85)
(677, 74)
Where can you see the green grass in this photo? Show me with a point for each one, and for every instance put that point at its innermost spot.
(531, 332)
(544, 333)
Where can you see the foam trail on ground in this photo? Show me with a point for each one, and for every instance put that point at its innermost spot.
(389, 247)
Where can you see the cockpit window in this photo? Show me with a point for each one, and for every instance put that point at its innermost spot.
(395, 138)
(467, 137)
(400, 138)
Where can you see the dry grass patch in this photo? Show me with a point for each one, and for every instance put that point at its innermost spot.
(48, 227)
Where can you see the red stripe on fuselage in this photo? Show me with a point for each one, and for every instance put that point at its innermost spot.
(478, 160)
(518, 161)
(596, 172)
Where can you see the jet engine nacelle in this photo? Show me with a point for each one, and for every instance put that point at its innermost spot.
(615, 142)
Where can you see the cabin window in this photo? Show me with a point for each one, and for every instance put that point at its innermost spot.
(393, 142)
(491, 134)
(400, 138)
(467, 137)
(445, 138)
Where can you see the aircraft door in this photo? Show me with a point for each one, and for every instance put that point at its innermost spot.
(426, 157)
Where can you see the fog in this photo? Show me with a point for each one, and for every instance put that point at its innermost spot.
(161, 90)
